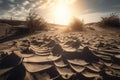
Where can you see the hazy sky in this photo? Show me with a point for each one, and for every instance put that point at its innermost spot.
(89, 10)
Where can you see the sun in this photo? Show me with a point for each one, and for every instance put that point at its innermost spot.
(62, 14)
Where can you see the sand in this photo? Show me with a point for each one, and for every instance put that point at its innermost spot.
(93, 54)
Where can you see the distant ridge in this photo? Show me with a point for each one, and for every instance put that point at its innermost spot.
(12, 22)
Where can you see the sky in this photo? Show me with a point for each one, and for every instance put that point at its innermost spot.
(88, 10)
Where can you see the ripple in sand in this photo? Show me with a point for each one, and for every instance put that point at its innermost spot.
(32, 67)
(39, 58)
(77, 68)
(66, 73)
(60, 63)
(78, 62)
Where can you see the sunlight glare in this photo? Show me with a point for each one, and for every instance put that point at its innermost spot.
(62, 14)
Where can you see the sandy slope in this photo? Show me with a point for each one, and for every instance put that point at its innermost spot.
(55, 55)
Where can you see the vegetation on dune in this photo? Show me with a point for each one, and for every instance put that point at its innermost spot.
(35, 23)
(112, 21)
(76, 25)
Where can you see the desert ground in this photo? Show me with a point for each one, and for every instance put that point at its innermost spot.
(93, 54)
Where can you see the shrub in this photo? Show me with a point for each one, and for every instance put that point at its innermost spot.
(76, 25)
(112, 21)
(34, 22)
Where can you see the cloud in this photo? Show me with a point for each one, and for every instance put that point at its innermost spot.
(43, 4)
(14, 7)
(1, 2)
(12, 0)
(25, 3)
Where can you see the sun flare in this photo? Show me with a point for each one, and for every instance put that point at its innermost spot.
(62, 14)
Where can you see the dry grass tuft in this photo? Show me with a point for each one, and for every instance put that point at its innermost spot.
(112, 21)
(35, 23)
(76, 25)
